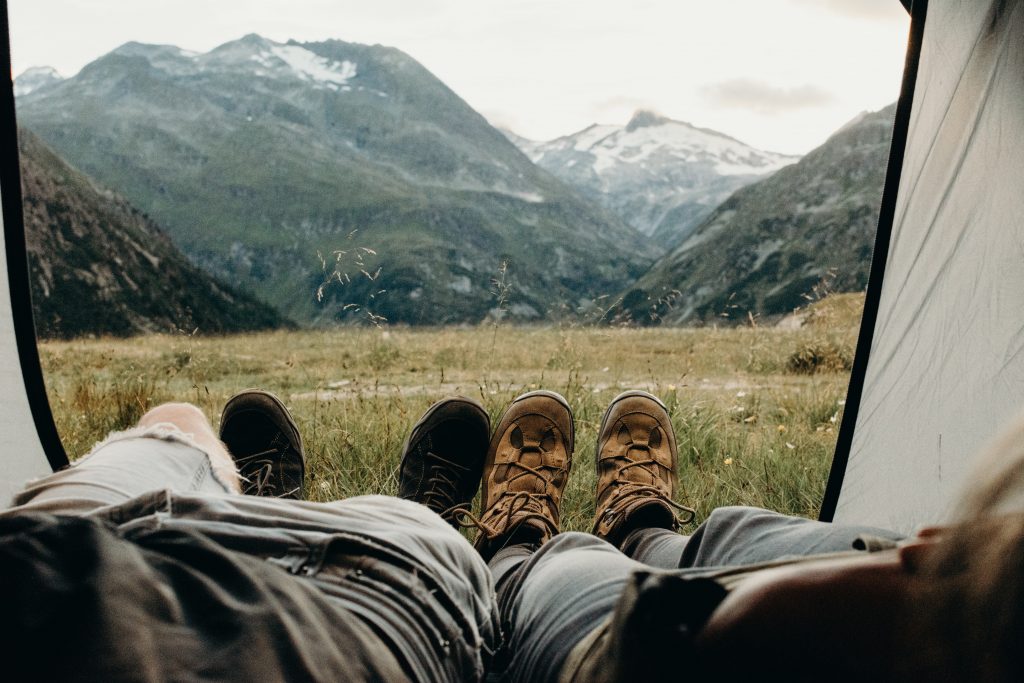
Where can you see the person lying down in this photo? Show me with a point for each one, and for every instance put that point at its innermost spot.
(171, 552)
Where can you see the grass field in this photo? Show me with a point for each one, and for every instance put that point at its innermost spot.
(755, 409)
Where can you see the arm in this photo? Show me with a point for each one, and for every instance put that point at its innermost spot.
(829, 619)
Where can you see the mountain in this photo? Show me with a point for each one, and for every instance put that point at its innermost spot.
(765, 249)
(35, 78)
(662, 176)
(336, 181)
(98, 266)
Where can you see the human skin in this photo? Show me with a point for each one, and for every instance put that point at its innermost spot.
(190, 420)
(835, 618)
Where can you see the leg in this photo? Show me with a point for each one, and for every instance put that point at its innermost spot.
(635, 512)
(190, 420)
(736, 536)
(173, 447)
(551, 588)
(550, 599)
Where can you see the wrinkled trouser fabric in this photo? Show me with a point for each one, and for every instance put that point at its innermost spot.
(143, 567)
(550, 598)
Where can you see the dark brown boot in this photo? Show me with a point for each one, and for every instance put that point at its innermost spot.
(261, 436)
(527, 466)
(444, 456)
(636, 468)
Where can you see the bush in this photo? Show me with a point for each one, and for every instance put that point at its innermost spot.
(820, 356)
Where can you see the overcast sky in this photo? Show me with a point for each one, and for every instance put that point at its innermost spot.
(778, 74)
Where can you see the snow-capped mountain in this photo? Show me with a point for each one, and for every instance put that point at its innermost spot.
(767, 247)
(662, 176)
(34, 78)
(334, 168)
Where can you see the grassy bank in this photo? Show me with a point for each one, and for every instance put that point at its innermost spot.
(755, 409)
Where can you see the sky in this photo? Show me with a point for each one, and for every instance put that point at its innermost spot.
(778, 74)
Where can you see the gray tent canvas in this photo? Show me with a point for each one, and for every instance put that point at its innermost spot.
(940, 361)
(939, 365)
(30, 445)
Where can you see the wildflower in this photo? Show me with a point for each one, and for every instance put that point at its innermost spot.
(727, 461)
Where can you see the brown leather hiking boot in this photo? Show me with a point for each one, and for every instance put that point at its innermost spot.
(636, 468)
(527, 466)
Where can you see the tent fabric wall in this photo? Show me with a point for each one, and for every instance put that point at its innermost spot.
(946, 363)
(23, 456)
(29, 443)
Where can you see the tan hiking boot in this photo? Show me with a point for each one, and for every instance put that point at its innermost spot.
(636, 468)
(526, 469)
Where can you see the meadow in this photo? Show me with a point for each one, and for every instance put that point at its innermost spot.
(755, 408)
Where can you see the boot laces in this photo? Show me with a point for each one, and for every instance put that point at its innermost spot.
(442, 484)
(627, 489)
(514, 507)
(257, 472)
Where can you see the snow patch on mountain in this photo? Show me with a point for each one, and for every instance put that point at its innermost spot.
(307, 65)
(34, 78)
(613, 145)
(661, 175)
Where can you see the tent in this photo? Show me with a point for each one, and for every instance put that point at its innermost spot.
(939, 364)
(939, 367)
(31, 446)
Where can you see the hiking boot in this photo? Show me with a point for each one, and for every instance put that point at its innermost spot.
(636, 468)
(526, 469)
(444, 455)
(263, 440)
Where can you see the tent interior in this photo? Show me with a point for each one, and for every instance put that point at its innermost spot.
(939, 365)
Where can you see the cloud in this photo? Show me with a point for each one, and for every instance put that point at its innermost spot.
(743, 93)
(875, 10)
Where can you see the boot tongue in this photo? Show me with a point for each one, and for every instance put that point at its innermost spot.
(528, 481)
(640, 474)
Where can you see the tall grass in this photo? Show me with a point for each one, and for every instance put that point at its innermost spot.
(751, 428)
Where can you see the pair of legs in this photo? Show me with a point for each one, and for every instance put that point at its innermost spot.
(555, 588)
(232, 586)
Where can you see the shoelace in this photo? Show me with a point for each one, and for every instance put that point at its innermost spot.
(442, 489)
(259, 468)
(529, 505)
(627, 487)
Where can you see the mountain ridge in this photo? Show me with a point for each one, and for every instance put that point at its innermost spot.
(99, 266)
(263, 159)
(771, 245)
(661, 175)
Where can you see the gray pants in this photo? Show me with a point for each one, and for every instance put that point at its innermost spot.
(550, 598)
(154, 571)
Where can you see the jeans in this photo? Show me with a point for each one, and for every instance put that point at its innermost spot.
(550, 598)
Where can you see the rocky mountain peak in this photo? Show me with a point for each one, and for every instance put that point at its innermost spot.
(766, 248)
(335, 179)
(644, 118)
(661, 175)
(34, 78)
